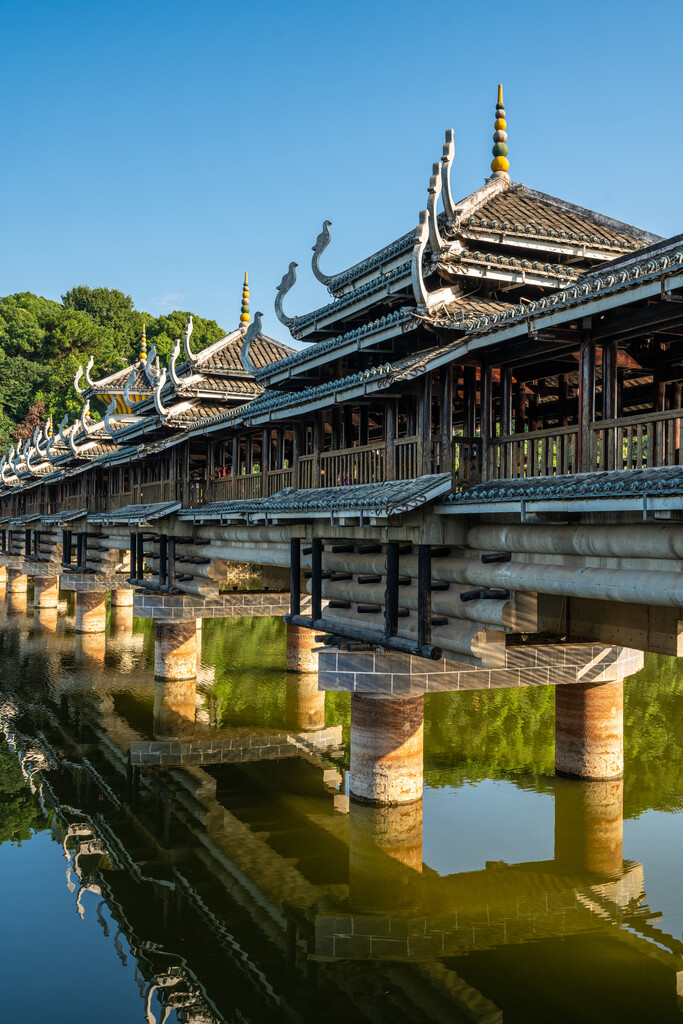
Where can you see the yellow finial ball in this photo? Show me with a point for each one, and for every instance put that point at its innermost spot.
(500, 163)
(500, 124)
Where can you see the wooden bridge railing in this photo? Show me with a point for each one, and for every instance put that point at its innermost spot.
(405, 454)
(638, 442)
(533, 453)
(364, 464)
(276, 479)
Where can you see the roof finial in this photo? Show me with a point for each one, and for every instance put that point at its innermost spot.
(500, 163)
(143, 345)
(244, 315)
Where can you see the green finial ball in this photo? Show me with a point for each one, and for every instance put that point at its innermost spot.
(500, 149)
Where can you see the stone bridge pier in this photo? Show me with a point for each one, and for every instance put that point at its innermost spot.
(174, 707)
(387, 709)
(121, 611)
(46, 592)
(175, 649)
(17, 581)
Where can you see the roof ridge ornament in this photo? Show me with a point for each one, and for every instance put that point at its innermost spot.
(191, 357)
(126, 389)
(3, 469)
(500, 165)
(177, 381)
(420, 241)
(252, 333)
(61, 428)
(285, 285)
(446, 163)
(151, 371)
(321, 243)
(111, 409)
(245, 315)
(435, 240)
(77, 380)
(85, 411)
(90, 364)
(158, 404)
(143, 346)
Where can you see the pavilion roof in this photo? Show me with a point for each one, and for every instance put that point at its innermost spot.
(378, 501)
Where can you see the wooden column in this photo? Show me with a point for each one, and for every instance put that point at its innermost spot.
(337, 441)
(364, 431)
(485, 418)
(562, 398)
(347, 440)
(506, 417)
(586, 405)
(390, 438)
(609, 400)
(424, 427)
(317, 446)
(446, 442)
(265, 460)
(296, 452)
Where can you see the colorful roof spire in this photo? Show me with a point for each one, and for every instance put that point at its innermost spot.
(500, 163)
(244, 315)
(143, 345)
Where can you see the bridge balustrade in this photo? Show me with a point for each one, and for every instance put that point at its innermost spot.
(364, 464)
(637, 442)
(405, 454)
(305, 469)
(533, 453)
(277, 479)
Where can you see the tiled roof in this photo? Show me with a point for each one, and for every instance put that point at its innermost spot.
(662, 481)
(662, 257)
(378, 500)
(521, 209)
(136, 513)
(314, 351)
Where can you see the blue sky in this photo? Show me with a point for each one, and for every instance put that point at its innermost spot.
(164, 148)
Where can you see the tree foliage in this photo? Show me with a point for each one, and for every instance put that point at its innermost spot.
(42, 344)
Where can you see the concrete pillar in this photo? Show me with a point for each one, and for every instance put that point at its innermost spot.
(174, 707)
(121, 611)
(92, 647)
(17, 582)
(589, 826)
(589, 730)
(45, 619)
(300, 644)
(3, 575)
(16, 603)
(121, 619)
(198, 623)
(304, 703)
(46, 591)
(175, 649)
(385, 855)
(386, 748)
(91, 611)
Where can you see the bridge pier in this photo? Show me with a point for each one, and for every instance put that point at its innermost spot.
(386, 748)
(385, 855)
(45, 619)
(91, 646)
(3, 575)
(46, 592)
(17, 582)
(91, 611)
(589, 730)
(121, 617)
(304, 703)
(589, 826)
(174, 707)
(175, 649)
(300, 647)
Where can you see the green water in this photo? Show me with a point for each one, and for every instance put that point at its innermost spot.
(249, 888)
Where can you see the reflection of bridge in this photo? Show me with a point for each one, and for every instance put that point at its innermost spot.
(284, 865)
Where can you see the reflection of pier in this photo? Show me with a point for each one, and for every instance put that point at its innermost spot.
(318, 887)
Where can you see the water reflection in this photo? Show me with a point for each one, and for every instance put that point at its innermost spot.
(208, 837)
